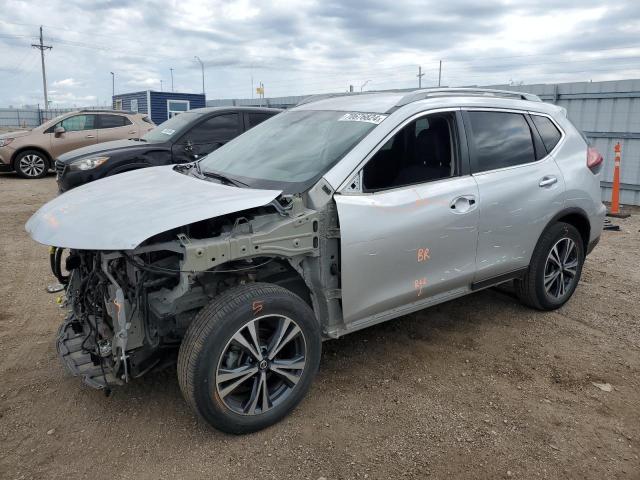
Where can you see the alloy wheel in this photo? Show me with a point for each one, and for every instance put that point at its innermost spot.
(32, 165)
(561, 268)
(261, 364)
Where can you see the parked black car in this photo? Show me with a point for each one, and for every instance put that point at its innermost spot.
(181, 139)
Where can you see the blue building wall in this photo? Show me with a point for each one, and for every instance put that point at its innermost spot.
(158, 100)
(126, 101)
(159, 112)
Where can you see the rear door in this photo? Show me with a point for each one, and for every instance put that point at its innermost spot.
(520, 188)
(115, 127)
(206, 136)
(408, 233)
(79, 131)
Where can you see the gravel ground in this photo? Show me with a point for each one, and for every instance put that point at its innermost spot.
(480, 387)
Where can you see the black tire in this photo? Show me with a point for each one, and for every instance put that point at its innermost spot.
(31, 164)
(208, 343)
(531, 289)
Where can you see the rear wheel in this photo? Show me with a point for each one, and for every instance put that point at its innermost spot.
(555, 268)
(31, 164)
(249, 357)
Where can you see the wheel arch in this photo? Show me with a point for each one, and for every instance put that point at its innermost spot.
(290, 279)
(576, 217)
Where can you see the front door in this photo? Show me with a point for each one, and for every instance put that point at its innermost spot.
(79, 131)
(410, 233)
(206, 136)
(520, 186)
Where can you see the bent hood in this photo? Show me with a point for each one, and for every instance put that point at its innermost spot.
(120, 212)
(107, 147)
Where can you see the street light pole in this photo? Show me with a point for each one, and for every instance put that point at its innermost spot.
(202, 68)
(171, 79)
(113, 85)
(364, 85)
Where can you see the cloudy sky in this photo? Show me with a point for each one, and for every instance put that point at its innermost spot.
(303, 47)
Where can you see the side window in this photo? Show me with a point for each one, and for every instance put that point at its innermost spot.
(547, 130)
(256, 118)
(78, 123)
(500, 139)
(176, 107)
(422, 151)
(113, 121)
(220, 128)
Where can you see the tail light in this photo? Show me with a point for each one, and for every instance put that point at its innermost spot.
(594, 159)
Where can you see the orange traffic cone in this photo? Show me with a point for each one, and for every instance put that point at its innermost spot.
(615, 190)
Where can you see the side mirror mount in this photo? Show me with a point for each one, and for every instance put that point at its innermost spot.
(58, 131)
(188, 146)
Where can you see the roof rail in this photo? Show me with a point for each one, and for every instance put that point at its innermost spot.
(324, 96)
(475, 92)
(106, 110)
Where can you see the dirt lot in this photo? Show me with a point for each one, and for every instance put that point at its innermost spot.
(476, 388)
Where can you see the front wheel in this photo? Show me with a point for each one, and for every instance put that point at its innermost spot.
(555, 268)
(31, 164)
(249, 357)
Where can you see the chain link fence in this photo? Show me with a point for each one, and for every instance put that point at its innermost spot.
(25, 118)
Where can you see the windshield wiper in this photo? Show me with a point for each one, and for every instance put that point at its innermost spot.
(222, 178)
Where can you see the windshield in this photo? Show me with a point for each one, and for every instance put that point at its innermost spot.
(167, 130)
(290, 149)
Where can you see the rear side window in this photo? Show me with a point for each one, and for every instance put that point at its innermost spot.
(547, 130)
(500, 139)
(256, 118)
(220, 128)
(113, 121)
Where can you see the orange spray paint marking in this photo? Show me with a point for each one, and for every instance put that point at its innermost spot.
(257, 306)
(418, 284)
(423, 254)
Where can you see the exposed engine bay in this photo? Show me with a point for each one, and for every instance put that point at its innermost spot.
(129, 309)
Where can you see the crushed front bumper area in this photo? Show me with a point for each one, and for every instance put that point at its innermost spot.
(80, 363)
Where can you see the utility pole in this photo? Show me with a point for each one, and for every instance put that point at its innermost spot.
(171, 79)
(42, 47)
(202, 67)
(440, 73)
(420, 75)
(113, 85)
(160, 84)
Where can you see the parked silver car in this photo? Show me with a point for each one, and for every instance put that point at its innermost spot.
(341, 213)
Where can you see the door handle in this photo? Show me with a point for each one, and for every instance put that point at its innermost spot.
(463, 204)
(132, 132)
(548, 181)
(90, 136)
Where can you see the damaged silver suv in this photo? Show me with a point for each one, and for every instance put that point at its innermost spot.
(338, 214)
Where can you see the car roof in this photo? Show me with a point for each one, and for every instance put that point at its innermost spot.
(390, 101)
